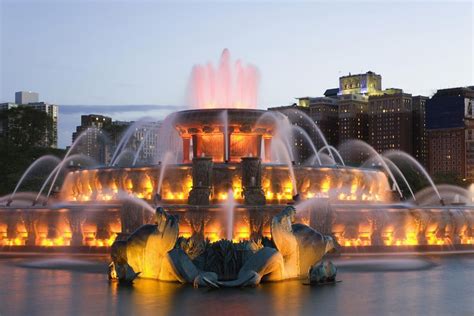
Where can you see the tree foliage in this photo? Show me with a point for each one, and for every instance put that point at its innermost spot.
(28, 130)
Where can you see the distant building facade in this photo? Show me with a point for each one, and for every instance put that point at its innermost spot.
(93, 141)
(25, 97)
(391, 122)
(387, 119)
(450, 125)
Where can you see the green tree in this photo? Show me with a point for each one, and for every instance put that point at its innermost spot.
(27, 127)
(22, 143)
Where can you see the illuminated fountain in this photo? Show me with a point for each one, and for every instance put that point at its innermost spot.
(222, 156)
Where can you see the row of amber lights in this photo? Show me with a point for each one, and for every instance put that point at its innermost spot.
(64, 240)
(410, 240)
(241, 234)
(285, 195)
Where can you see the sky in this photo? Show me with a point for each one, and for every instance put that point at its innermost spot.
(93, 56)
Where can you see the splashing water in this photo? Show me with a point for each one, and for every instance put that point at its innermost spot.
(225, 86)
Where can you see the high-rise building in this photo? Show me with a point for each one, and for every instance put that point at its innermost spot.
(449, 120)
(302, 150)
(25, 97)
(93, 142)
(420, 134)
(391, 121)
(353, 117)
(324, 112)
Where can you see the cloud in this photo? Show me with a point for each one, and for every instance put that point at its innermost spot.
(111, 109)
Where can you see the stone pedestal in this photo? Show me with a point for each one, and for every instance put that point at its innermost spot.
(202, 181)
(252, 181)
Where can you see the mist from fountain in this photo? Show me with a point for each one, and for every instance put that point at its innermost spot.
(142, 143)
(350, 144)
(40, 161)
(73, 147)
(391, 154)
(280, 151)
(283, 131)
(397, 171)
(292, 113)
(425, 197)
(330, 148)
(167, 159)
(127, 135)
(57, 170)
(306, 137)
(229, 85)
(168, 139)
(125, 158)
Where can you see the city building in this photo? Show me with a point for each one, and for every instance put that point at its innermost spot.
(25, 97)
(93, 142)
(353, 117)
(302, 151)
(391, 121)
(324, 112)
(450, 125)
(368, 83)
(420, 134)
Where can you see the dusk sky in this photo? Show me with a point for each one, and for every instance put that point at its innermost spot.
(77, 53)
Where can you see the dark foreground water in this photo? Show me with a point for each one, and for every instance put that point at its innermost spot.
(402, 285)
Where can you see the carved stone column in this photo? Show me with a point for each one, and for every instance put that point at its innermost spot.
(76, 220)
(53, 225)
(421, 219)
(30, 220)
(377, 220)
(252, 181)
(202, 181)
(12, 225)
(186, 148)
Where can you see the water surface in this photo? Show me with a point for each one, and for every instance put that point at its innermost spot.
(406, 285)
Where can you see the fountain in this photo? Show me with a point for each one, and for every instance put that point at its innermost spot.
(227, 171)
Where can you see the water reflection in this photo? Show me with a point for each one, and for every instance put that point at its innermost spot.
(428, 285)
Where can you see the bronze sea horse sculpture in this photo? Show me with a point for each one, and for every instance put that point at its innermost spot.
(156, 252)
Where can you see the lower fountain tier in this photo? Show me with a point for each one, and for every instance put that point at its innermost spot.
(352, 225)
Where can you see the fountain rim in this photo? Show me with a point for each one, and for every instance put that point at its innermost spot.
(231, 164)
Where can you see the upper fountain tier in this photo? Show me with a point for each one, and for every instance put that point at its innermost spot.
(226, 134)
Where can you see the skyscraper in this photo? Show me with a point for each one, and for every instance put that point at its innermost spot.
(25, 97)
